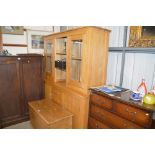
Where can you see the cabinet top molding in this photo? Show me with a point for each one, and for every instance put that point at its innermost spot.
(82, 27)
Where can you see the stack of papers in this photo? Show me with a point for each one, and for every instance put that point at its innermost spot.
(109, 89)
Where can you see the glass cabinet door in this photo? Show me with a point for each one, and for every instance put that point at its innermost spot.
(76, 60)
(48, 55)
(60, 59)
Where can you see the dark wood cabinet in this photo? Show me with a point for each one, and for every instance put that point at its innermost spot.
(21, 80)
(119, 111)
(1, 44)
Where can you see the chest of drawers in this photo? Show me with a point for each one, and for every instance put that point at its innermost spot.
(118, 111)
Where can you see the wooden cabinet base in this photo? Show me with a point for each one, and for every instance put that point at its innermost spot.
(46, 114)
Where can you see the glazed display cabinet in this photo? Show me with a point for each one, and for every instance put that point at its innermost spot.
(75, 61)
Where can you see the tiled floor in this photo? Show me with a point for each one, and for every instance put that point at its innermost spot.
(23, 125)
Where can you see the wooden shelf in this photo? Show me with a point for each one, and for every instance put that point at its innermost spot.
(73, 58)
(15, 45)
(61, 53)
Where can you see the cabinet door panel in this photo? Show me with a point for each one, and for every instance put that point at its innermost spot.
(10, 108)
(77, 61)
(32, 80)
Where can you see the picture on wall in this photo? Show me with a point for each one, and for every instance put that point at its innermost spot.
(16, 30)
(36, 41)
(142, 36)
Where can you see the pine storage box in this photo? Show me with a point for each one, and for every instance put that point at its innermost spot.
(46, 114)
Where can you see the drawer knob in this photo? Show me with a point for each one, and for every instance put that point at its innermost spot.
(147, 114)
(127, 110)
(18, 58)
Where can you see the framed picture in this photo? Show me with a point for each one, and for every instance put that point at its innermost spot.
(16, 30)
(142, 36)
(35, 41)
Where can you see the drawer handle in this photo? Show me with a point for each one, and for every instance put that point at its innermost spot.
(18, 58)
(147, 114)
(127, 110)
(132, 113)
(28, 61)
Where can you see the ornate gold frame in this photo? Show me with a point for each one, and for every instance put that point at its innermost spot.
(137, 40)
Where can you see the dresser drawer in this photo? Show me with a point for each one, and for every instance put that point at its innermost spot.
(133, 114)
(94, 124)
(111, 119)
(101, 101)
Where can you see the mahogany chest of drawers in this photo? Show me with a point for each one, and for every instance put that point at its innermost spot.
(118, 111)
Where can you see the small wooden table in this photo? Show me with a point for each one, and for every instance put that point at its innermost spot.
(46, 114)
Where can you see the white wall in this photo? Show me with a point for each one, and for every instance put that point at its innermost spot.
(114, 68)
(116, 35)
(137, 65)
(23, 39)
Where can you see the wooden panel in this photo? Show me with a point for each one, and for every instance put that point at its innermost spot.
(1, 43)
(48, 88)
(57, 95)
(78, 106)
(37, 121)
(101, 101)
(112, 120)
(134, 114)
(94, 124)
(31, 67)
(65, 123)
(98, 55)
(48, 114)
(10, 102)
(15, 45)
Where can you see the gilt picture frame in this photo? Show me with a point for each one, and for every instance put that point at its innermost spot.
(142, 36)
(15, 30)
